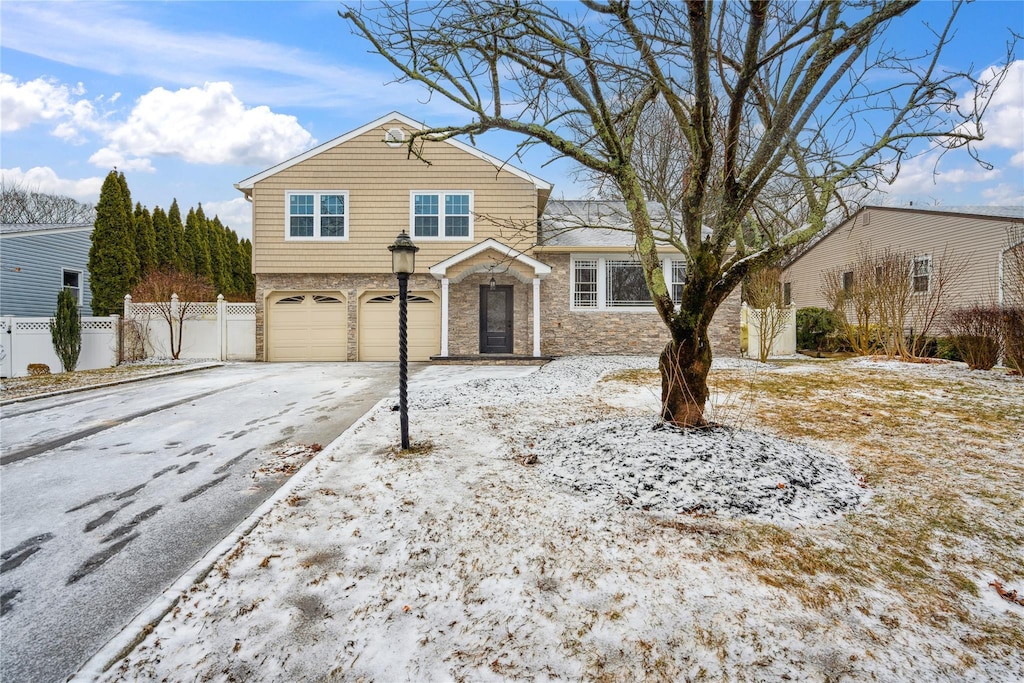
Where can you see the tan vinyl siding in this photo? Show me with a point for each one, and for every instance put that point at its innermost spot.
(919, 233)
(378, 179)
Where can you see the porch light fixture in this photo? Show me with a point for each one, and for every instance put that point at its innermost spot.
(494, 284)
(403, 264)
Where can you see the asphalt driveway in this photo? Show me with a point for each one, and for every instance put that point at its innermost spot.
(108, 496)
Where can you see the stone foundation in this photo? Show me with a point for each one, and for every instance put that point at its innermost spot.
(567, 332)
(563, 332)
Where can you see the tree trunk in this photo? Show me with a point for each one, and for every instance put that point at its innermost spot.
(684, 367)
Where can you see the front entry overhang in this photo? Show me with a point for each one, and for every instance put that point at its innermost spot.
(507, 255)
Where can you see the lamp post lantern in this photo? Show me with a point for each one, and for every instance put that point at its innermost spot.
(403, 264)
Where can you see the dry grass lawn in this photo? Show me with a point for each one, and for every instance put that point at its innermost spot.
(942, 450)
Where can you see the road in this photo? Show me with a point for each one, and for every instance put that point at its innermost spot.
(108, 496)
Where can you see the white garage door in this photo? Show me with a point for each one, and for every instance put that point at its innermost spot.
(307, 326)
(378, 326)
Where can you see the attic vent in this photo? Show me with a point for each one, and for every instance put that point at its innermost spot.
(394, 137)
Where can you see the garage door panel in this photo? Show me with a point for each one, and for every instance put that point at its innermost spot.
(378, 327)
(307, 326)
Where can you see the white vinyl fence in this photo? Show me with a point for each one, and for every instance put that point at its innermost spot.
(26, 341)
(220, 330)
(751, 319)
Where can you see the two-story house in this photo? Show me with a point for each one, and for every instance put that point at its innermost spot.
(490, 281)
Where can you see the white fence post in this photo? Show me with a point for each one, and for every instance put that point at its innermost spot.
(222, 337)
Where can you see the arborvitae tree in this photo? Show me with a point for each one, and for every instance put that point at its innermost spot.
(203, 258)
(190, 247)
(145, 240)
(66, 330)
(177, 235)
(220, 257)
(166, 257)
(231, 250)
(243, 268)
(129, 211)
(112, 261)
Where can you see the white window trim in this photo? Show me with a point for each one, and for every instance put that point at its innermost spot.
(440, 216)
(81, 281)
(913, 262)
(602, 282)
(913, 268)
(316, 216)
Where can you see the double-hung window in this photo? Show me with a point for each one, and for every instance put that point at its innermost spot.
(71, 280)
(441, 214)
(921, 272)
(600, 282)
(316, 215)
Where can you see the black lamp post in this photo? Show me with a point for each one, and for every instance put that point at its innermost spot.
(403, 263)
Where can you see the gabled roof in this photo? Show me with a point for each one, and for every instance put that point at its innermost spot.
(1009, 213)
(440, 270)
(247, 184)
(26, 229)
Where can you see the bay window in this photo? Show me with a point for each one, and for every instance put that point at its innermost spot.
(600, 282)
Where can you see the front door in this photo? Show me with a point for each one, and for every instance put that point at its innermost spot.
(496, 319)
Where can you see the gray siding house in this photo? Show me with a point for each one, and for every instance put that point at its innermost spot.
(37, 261)
(981, 234)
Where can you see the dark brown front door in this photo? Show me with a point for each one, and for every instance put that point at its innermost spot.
(495, 319)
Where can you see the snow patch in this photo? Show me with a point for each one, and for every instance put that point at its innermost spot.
(719, 470)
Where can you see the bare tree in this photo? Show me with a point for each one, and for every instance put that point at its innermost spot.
(176, 297)
(763, 95)
(19, 204)
(764, 297)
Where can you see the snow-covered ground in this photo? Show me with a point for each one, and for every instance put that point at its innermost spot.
(544, 527)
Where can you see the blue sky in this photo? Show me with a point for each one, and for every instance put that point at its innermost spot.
(188, 98)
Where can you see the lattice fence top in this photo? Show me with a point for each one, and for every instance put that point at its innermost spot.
(31, 326)
(241, 309)
(3, 326)
(147, 309)
(202, 310)
(105, 325)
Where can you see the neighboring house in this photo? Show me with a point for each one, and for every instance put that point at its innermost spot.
(37, 261)
(981, 234)
(493, 278)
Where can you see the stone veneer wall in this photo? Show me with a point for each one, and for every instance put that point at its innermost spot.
(351, 286)
(464, 314)
(566, 332)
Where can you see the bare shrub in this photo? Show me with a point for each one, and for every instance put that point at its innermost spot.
(880, 304)
(850, 293)
(134, 334)
(1013, 339)
(976, 332)
(764, 296)
(177, 297)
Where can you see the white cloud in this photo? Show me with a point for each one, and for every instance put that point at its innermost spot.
(110, 158)
(118, 38)
(45, 179)
(47, 100)
(1003, 120)
(234, 213)
(207, 125)
(36, 101)
(1005, 194)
